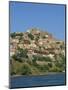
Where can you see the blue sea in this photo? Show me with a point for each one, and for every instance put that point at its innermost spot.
(40, 80)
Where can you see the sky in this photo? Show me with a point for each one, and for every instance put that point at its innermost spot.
(47, 17)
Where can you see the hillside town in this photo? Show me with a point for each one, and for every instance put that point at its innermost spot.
(37, 46)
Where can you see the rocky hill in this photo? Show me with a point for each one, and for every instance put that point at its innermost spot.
(37, 50)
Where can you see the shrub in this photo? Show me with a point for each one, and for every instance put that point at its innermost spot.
(44, 37)
(56, 69)
(13, 73)
(50, 65)
(34, 59)
(43, 68)
(37, 38)
(31, 36)
(26, 70)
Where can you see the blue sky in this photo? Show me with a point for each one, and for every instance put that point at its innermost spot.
(47, 17)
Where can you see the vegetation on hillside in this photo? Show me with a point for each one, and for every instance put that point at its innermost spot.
(36, 53)
(21, 65)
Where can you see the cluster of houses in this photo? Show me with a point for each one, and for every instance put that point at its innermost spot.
(46, 46)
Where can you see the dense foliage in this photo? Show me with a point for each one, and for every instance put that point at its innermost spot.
(22, 64)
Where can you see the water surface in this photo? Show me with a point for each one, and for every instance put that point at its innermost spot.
(41, 80)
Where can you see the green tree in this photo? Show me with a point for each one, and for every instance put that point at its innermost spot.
(31, 36)
(34, 60)
(13, 35)
(20, 54)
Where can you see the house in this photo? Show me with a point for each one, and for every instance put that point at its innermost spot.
(41, 52)
(13, 47)
(35, 31)
(33, 45)
(21, 45)
(12, 50)
(26, 41)
(15, 40)
(40, 42)
(51, 55)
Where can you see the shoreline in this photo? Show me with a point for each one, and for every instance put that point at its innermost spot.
(50, 73)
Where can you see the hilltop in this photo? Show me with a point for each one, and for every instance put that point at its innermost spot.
(36, 52)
